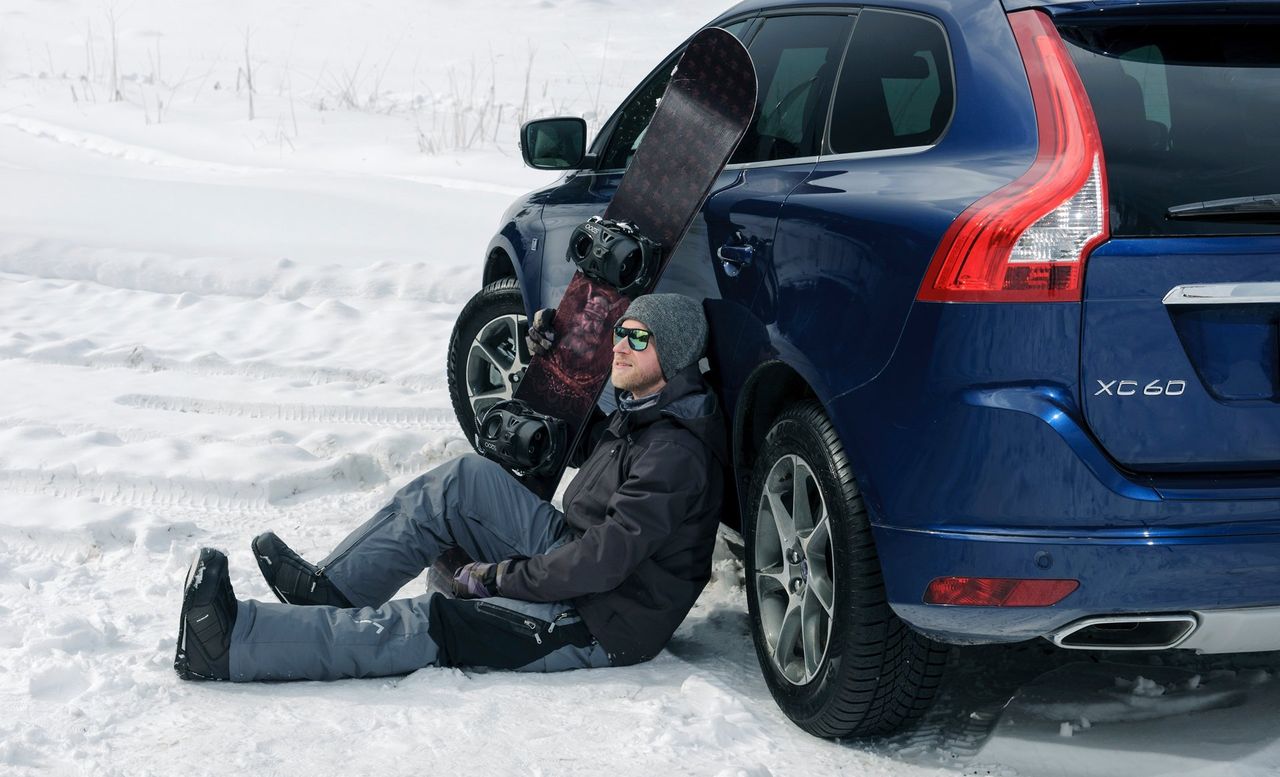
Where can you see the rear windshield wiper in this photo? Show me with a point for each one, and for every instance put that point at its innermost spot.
(1263, 208)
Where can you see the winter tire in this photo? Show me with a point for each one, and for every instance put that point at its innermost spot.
(487, 353)
(835, 657)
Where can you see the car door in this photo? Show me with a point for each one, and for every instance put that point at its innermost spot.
(854, 238)
(797, 56)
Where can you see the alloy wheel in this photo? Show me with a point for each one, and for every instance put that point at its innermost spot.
(495, 363)
(795, 570)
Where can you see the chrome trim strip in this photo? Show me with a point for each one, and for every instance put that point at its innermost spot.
(810, 160)
(795, 160)
(1267, 293)
(880, 152)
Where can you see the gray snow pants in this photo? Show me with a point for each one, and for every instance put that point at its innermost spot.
(469, 503)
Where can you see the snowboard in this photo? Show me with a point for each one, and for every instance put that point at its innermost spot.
(704, 112)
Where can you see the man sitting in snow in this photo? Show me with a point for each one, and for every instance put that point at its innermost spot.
(606, 582)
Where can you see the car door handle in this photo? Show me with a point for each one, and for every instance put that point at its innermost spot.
(734, 257)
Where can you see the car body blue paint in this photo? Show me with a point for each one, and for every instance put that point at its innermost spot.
(521, 226)
(970, 427)
(1229, 359)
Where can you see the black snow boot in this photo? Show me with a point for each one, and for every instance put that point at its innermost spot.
(208, 616)
(294, 580)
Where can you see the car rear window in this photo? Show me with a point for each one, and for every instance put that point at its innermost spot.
(895, 86)
(1189, 113)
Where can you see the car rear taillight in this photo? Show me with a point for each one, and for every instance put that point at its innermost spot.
(1027, 241)
(997, 591)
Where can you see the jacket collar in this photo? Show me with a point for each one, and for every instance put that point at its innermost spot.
(686, 383)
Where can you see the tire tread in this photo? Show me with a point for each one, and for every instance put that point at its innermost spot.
(888, 674)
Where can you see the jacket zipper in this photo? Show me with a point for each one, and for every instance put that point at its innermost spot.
(624, 447)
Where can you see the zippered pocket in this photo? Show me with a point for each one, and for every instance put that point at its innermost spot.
(589, 474)
(587, 478)
(363, 535)
(566, 618)
(518, 623)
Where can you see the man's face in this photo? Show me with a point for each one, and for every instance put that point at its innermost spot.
(637, 371)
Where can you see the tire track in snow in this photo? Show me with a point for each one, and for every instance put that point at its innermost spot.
(154, 271)
(977, 684)
(135, 490)
(359, 415)
(173, 506)
(101, 145)
(85, 353)
(124, 434)
(351, 472)
(156, 525)
(394, 463)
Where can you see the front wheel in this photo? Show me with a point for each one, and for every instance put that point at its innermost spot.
(836, 658)
(487, 353)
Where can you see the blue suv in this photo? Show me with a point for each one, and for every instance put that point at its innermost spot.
(994, 290)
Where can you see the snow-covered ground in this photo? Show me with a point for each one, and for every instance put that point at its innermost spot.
(212, 324)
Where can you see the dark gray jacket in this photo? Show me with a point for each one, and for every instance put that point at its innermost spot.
(644, 508)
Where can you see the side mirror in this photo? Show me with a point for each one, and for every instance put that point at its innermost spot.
(554, 144)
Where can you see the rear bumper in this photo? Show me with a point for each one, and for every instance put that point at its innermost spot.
(1226, 576)
(1249, 630)
(970, 468)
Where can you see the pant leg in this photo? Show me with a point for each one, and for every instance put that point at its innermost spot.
(471, 503)
(288, 642)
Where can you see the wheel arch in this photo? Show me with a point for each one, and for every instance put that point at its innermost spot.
(767, 391)
(498, 265)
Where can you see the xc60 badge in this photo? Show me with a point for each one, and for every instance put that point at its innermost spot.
(1129, 388)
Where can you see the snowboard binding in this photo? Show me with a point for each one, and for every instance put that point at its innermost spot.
(513, 434)
(614, 252)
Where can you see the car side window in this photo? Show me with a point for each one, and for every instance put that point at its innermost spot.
(796, 59)
(635, 117)
(895, 87)
(633, 121)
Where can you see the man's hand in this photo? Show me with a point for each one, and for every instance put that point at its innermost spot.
(477, 580)
(541, 338)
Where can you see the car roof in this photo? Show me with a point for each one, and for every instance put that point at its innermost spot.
(750, 6)
(1106, 5)
(960, 6)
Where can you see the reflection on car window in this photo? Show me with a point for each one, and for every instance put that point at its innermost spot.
(1188, 113)
(796, 58)
(635, 117)
(792, 83)
(895, 87)
(633, 122)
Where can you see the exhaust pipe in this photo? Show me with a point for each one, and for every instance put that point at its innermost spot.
(1126, 632)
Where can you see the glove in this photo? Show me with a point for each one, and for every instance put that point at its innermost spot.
(477, 580)
(541, 337)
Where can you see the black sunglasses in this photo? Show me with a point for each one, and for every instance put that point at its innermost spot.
(637, 339)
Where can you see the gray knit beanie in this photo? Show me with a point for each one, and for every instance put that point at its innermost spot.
(678, 325)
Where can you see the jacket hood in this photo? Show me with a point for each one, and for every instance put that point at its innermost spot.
(687, 401)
